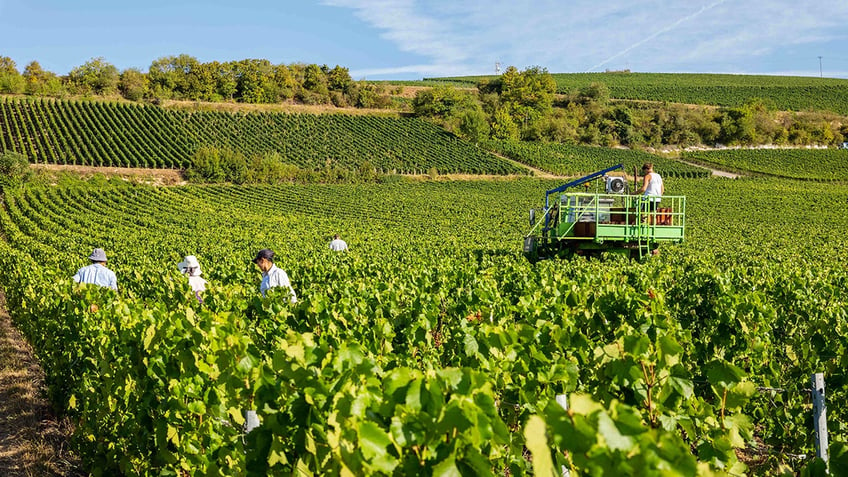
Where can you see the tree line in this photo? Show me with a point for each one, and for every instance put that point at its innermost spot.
(183, 77)
(518, 105)
(523, 105)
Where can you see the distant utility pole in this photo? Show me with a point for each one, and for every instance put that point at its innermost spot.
(820, 68)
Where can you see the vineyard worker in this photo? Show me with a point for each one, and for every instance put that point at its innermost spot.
(272, 276)
(191, 268)
(97, 273)
(338, 245)
(652, 185)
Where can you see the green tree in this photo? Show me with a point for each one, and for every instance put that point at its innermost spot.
(533, 88)
(203, 80)
(40, 82)
(94, 76)
(441, 101)
(175, 77)
(314, 89)
(14, 169)
(11, 80)
(285, 84)
(226, 80)
(338, 79)
(371, 95)
(255, 81)
(133, 84)
(525, 96)
(503, 127)
(474, 125)
(595, 92)
(738, 126)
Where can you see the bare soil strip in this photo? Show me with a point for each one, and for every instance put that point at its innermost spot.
(32, 441)
(154, 176)
(715, 172)
(166, 177)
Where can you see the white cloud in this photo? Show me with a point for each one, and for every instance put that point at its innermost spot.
(466, 37)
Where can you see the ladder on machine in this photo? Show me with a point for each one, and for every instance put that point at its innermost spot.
(643, 233)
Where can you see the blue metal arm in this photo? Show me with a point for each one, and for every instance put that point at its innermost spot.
(582, 180)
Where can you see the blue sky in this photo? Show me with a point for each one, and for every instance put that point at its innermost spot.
(411, 39)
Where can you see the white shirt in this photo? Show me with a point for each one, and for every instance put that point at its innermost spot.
(655, 186)
(276, 277)
(97, 274)
(338, 245)
(197, 284)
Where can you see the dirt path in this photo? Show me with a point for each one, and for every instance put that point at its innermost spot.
(32, 441)
(715, 172)
(173, 177)
(536, 171)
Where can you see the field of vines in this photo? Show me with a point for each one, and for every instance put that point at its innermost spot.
(432, 347)
(793, 93)
(131, 135)
(566, 159)
(816, 164)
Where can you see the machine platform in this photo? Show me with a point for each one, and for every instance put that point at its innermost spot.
(585, 223)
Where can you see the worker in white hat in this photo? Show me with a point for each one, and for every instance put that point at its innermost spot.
(97, 273)
(191, 268)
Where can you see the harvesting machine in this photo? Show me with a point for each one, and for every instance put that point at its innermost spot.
(587, 223)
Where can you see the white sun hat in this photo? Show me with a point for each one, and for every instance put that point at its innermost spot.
(98, 255)
(190, 262)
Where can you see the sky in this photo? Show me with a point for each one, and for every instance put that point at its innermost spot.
(414, 39)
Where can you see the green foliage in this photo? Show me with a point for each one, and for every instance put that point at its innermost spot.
(793, 93)
(370, 95)
(11, 80)
(206, 165)
(442, 102)
(809, 164)
(503, 127)
(428, 348)
(434, 357)
(14, 170)
(473, 125)
(576, 160)
(133, 84)
(98, 133)
(270, 168)
(39, 82)
(94, 76)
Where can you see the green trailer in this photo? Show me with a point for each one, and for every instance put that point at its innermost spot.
(591, 223)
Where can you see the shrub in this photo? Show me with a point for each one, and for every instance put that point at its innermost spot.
(14, 170)
(205, 166)
(269, 168)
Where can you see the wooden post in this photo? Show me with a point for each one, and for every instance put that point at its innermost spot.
(820, 416)
(562, 400)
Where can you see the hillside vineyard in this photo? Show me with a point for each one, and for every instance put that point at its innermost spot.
(129, 135)
(790, 93)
